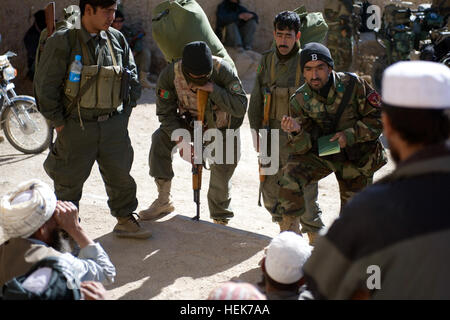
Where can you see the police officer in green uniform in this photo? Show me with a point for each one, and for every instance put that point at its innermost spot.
(90, 116)
(338, 15)
(141, 52)
(338, 107)
(176, 107)
(279, 75)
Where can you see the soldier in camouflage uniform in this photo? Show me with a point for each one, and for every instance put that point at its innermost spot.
(142, 54)
(176, 107)
(338, 15)
(315, 109)
(279, 73)
(91, 126)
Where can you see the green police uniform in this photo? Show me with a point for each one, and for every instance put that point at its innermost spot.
(142, 53)
(338, 15)
(281, 77)
(225, 110)
(96, 129)
(354, 166)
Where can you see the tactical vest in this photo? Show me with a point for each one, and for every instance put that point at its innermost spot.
(187, 99)
(279, 106)
(104, 93)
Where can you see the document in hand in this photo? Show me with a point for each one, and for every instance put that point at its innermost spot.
(327, 147)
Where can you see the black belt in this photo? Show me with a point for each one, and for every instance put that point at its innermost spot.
(101, 118)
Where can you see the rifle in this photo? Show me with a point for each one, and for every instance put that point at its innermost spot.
(50, 21)
(202, 99)
(265, 125)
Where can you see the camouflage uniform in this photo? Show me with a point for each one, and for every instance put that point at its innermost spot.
(354, 166)
(142, 54)
(225, 110)
(339, 38)
(282, 78)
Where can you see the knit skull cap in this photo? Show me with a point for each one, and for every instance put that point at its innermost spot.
(197, 58)
(285, 257)
(24, 210)
(315, 51)
(417, 85)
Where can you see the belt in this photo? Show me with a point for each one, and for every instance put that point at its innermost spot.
(101, 118)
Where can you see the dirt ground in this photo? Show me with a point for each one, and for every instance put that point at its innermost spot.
(183, 259)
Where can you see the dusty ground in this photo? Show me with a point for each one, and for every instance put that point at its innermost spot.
(183, 259)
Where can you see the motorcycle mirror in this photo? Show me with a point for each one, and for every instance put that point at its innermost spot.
(10, 54)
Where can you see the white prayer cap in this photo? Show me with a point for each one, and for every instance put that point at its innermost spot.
(417, 84)
(24, 210)
(285, 257)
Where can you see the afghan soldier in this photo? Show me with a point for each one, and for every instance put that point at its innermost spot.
(90, 116)
(339, 107)
(141, 52)
(279, 74)
(338, 15)
(176, 107)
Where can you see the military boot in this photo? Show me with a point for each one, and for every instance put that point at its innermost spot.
(144, 81)
(312, 238)
(162, 205)
(128, 227)
(290, 223)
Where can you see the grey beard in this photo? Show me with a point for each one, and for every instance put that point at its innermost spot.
(62, 241)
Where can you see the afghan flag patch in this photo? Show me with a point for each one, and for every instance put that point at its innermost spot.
(259, 69)
(163, 94)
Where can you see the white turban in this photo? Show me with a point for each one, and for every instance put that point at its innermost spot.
(26, 209)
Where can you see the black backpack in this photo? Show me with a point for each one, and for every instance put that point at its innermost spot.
(61, 285)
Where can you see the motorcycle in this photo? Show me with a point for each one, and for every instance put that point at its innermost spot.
(24, 126)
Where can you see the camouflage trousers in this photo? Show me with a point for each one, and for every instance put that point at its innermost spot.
(341, 49)
(270, 188)
(143, 60)
(304, 170)
(219, 198)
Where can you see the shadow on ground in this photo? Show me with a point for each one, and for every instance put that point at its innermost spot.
(179, 248)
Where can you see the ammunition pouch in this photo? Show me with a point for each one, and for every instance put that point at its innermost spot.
(106, 91)
(280, 102)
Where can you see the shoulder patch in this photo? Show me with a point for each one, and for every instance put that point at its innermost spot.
(163, 94)
(236, 87)
(374, 99)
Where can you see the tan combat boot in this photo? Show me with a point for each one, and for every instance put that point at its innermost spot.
(223, 222)
(144, 81)
(290, 223)
(162, 205)
(128, 227)
(312, 238)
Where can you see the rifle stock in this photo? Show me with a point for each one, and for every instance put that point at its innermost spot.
(202, 100)
(50, 18)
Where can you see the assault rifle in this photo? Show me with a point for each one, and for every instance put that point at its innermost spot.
(202, 100)
(265, 125)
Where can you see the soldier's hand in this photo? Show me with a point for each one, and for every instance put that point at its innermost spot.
(289, 125)
(341, 138)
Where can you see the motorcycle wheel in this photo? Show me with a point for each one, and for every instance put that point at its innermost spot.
(377, 72)
(30, 134)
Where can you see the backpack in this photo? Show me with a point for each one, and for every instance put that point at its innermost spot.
(176, 23)
(313, 26)
(61, 283)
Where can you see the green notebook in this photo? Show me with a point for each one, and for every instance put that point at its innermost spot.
(327, 147)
